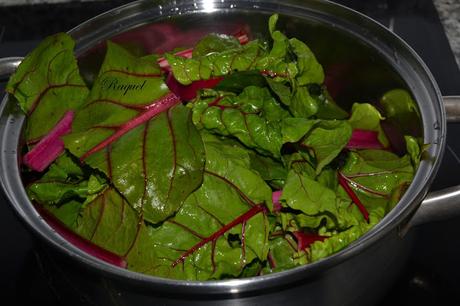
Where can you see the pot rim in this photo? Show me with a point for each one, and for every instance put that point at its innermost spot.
(434, 126)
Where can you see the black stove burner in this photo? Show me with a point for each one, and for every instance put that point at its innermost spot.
(430, 277)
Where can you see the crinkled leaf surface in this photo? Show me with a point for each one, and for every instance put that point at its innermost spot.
(239, 58)
(155, 164)
(337, 242)
(287, 59)
(215, 43)
(253, 117)
(229, 190)
(64, 180)
(47, 84)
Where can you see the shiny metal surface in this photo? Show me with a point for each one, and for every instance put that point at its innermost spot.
(452, 105)
(438, 206)
(8, 65)
(376, 60)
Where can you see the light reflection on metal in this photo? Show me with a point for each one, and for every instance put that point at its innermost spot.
(208, 6)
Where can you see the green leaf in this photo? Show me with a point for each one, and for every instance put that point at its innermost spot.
(47, 84)
(302, 104)
(63, 182)
(283, 254)
(401, 111)
(239, 58)
(365, 116)
(310, 71)
(236, 82)
(253, 117)
(110, 222)
(229, 190)
(215, 43)
(155, 164)
(67, 213)
(301, 192)
(377, 176)
(302, 163)
(327, 140)
(327, 108)
(414, 150)
(294, 129)
(335, 243)
(269, 169)
(287, 59)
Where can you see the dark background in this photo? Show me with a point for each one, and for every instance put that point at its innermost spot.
(432, 274)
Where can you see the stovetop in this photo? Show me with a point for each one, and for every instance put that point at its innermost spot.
(430, 277)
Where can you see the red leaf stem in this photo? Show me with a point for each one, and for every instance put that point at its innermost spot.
(304, 240)
(50, 146)
(154, 109)
(276, 200)
(80, 242)
(362, 187)
(344, 183)
(362, 139)
(271, 261)
(213, 237)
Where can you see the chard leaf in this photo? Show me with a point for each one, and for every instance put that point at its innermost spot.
(253, 117)
(269, 169)
(301, 192)
(215, 43)
(67, 213)
(239, 58)
(287, 59)
(327, 108)
(281, 89)
(401, 111)
(47, 84)
(107, 222)
(283, 254)
(129, 130)
(298, 99)
(110, 222)
(414, 150)
(294, 129)
(239, 80)
(195, 243)
(302, 163)
(65, 180)
(365, 116)
(337, 242)
(378, 176)
(327, 140)
(310, 71)
(302, 104)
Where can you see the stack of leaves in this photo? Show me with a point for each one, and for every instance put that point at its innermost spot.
(233, 161)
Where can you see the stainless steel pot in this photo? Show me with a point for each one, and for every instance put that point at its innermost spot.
(372, 60)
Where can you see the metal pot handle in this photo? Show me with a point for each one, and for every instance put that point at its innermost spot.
(443, 204)
(8, 65)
